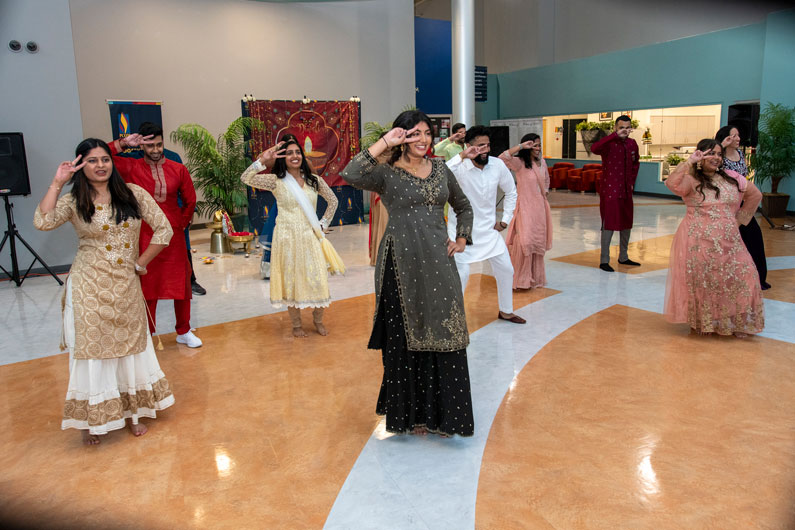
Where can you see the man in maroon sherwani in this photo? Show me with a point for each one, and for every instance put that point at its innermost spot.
(168, 275)
(620, 164)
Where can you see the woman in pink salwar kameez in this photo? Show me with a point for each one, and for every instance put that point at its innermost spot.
(712, 281)
(529, 235)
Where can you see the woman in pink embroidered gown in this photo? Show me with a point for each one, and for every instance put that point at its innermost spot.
(530, 232)
(712, 281)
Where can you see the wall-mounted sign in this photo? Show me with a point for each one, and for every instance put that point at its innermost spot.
(481, 83)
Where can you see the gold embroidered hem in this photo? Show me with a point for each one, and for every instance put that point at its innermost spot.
(448, 334)
(300, 305)
(102, 393)
(110, 414)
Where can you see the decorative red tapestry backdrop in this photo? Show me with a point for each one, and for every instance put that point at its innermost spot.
(327, 130)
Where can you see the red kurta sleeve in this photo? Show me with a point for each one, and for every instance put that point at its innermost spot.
(601, 147)
(188, 193)
(124, 165)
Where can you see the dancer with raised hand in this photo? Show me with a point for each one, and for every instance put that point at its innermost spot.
(729, 138)
(480, 176)
(530, 232)
(419, 326)
(712, 282)
(301, 256)
(167, 182)
(453, 144)
(113, 369)
(620, 163)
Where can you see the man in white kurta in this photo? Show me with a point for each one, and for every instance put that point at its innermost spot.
(480, 175)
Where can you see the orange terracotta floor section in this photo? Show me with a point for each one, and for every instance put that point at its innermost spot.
(651, 253)
(783, 286)
(778, 242)
(480, 300)
(263, 434)
(606, 432)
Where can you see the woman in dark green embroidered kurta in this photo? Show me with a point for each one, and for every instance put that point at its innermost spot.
(419, 323)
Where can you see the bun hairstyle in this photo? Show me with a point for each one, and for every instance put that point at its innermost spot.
(704, 181)
(527, 155)
(280, 166)
(123, 203)
(407, 120)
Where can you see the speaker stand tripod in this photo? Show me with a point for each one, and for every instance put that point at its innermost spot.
(11, 235)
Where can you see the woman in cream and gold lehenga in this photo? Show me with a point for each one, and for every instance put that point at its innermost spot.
(301, 257)
(113, 369)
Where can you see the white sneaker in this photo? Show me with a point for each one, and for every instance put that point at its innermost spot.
(189, 339)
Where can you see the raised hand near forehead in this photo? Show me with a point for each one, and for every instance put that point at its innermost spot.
(399, 136)
(473, 151)
(134, 140)
(457, 137)
(696, 157)
(268, 157)
(66, 170)
(727, 141)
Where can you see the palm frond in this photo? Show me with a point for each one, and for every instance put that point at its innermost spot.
(217, 163)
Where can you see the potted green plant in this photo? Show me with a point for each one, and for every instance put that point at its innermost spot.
(774, 158)
(216, 165)
(593, 131)
(372, 132)
(673, 159)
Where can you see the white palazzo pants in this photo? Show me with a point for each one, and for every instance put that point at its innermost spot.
(102, 393)
(503, 272)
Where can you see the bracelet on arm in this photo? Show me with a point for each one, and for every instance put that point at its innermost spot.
(56, 187)
(138, 268)
(385, 142)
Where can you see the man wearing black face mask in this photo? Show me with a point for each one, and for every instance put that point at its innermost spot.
(479, 176)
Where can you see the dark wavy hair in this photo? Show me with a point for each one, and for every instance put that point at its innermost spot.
(408, 119)
(527, 154)
(123, 202)
(704, 181)
(280, 166)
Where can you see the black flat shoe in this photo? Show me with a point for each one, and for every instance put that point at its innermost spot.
(198, 289)
(606, 267)
(766, 286)
(629, 262)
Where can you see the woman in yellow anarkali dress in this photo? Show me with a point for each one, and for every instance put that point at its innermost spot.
(299, 268)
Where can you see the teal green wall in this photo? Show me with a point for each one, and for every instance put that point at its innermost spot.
(754, 62)
(778, 75)
(683, 72)
(490, 109)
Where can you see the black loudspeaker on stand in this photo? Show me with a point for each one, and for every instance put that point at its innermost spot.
(14, 180)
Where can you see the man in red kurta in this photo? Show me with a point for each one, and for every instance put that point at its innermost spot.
(620, 164)
(168, 275)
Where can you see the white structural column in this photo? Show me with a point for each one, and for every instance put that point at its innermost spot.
(463, 29)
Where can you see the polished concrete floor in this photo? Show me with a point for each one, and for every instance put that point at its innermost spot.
(596, 414)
